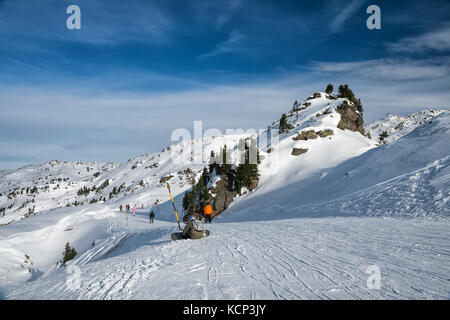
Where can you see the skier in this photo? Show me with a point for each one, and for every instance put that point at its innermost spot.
(127, 208)
(208, 212)
(152, 216)
(120, 208)
(134, 210)
(194, 228)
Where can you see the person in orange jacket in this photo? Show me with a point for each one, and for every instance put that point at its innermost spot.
(208, 212)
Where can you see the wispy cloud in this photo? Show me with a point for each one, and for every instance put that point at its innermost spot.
(227, 11)
(234, 43)
(44, 123)
(438, 40)
(342, 16)
(389, 68)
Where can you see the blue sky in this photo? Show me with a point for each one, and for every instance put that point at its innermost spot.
(137, 70)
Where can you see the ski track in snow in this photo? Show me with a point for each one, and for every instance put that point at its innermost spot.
(307, 258)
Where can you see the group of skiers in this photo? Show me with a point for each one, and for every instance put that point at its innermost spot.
(194, 227)
(127, 208)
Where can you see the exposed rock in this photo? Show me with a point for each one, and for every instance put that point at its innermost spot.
(301, 107)
(351, 119)
(400, 126)
(165, 179)
(298, 151)
(326, 133)
(253, 183)
(155, 165)
(223, 196)
(305, 135)
(324, 112)
(315, 96)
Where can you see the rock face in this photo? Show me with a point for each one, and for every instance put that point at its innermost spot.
(311, 134)
(305, 135)
(351, 119)
(298, 151)
(253, 183)
(326, 133)
(223, 195)
(165, 179)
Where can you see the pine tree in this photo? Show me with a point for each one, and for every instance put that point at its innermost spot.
(224, 154)
(359, 105)
(383, 136)
(247, 169)
(346, 92)
(205, 175)
(226, 168)
(69, 253)
(283, 123)
(329, 89)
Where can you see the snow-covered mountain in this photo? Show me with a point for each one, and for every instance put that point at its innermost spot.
(311, 226)
(408, 177)
(140, 181)
(39, 188)
(398, 126)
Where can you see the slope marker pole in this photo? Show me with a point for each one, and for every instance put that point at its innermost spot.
(174, 209)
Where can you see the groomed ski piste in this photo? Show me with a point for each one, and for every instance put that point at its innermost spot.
(314, 228)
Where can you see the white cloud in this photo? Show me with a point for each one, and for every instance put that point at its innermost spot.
(234, 43)
(227, 11)
(389, 68)
(437, 40)
(342, 16)
(92, 123)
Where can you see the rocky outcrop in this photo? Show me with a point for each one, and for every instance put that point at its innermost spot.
(254, 181)
(400, 126)
(223, 196)
(311, 134)
(315, 96)
(298, 151)
(326, 133)
(351, 118)
(305, 135)
(165, 179)
(224, 193)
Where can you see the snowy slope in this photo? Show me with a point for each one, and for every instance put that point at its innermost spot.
(281, 168)
(285, 249)
(405, 178)
(304, 258)
(137, 182)
(398, 126)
